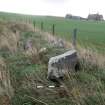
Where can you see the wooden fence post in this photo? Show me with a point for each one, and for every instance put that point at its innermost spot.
(74, 38)
(53, 29)
(41, 26)
(34, 23)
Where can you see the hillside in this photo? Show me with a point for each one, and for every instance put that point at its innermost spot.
(24, 64)
(89, 33)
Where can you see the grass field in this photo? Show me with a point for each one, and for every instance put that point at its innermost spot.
(89, 33)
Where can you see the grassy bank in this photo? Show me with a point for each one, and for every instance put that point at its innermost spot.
(89, 33)
(28, 68)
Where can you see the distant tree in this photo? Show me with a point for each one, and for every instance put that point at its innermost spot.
(96, 17)
(68, 16)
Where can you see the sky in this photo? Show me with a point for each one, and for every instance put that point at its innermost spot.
(54, 7)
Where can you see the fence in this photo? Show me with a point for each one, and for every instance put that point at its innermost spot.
(87, 38)
(92, 35)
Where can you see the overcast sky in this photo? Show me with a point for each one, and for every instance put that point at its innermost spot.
(54, 7)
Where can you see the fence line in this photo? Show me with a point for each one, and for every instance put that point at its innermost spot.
(85, 37)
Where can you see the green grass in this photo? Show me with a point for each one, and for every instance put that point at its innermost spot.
(86, 87)
(89, 34)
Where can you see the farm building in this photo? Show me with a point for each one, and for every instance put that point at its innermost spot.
(95, 17)
(70, 16)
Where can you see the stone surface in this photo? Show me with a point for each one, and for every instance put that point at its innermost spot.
(60, 65)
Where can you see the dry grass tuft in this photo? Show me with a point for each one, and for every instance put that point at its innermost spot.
(10, 34)
(8, 39)
(20, 26)
(5, 84)
(2, 62)
(91, 57)
(4, 100)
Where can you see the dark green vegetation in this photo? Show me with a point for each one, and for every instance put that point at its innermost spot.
(85, 87)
